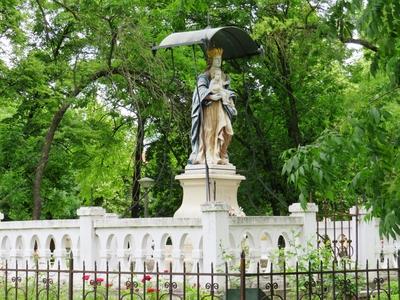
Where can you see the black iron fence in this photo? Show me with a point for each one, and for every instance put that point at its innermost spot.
(339, 280)
(338, 227)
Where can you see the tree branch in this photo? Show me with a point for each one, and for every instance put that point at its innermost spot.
(46, 24)
(361, 42)
(312, 9)
(64, 34)
(67, 9)
(114, 34)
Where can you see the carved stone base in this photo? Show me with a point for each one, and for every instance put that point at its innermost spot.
(224, 183)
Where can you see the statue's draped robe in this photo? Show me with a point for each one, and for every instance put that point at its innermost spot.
(217, 125)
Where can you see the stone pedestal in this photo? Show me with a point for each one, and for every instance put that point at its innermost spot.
(224, 183)
(309, 232)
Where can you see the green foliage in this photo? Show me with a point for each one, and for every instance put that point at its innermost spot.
(356, 159)
(306, 260)
(303, 256)
(373, 24)
(307, 116)
(380, 22)
(91, 154)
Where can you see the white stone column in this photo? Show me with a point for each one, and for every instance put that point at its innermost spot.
(4, 256)
(235, 253)
(76, 257)
(309, 215)
(131, 260)
(44, 257)
(13, 258)
(87, 216)
(59, 256)
(197, 257)
(103, 258)
(28, 256)
(122, 254)
(3, 253)
(177, 260)
(254, 258)
(139, 257)
(159, 258)
(215, 223)
(369, 242)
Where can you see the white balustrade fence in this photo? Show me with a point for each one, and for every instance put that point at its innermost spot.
(100, 237)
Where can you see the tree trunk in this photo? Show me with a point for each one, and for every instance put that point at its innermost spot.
(37, 199)
(292, 118)
(265, 149)
(136, 206)
(293, 122)
(41, 166)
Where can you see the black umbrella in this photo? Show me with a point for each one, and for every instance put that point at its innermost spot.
(236, 42)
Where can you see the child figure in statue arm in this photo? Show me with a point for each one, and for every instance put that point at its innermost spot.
(218, 92)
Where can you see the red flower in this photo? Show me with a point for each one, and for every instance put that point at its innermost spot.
(85, 277)
(166, 271)
(146, 278)
(109, 285)
(99, 279)
(151, 290)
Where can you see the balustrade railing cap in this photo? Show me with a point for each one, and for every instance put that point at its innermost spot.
(214, 206)
(111, 216)
(297, 208)
(361, 210)
(91, 211)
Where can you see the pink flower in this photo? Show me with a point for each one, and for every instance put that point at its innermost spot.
(85, 277)
(146, 278)
(99, 279)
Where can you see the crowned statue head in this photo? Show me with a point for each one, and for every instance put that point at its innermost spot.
(215, 57)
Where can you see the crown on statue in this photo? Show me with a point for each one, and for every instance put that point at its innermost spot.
(215, 52)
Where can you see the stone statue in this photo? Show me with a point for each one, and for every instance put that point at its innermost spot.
(212, 112)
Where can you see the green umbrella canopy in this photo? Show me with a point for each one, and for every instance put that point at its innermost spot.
(236, 42)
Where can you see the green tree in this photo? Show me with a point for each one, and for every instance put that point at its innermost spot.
(86, 110)
(357, 157)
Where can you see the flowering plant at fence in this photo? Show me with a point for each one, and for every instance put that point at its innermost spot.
(318, 272)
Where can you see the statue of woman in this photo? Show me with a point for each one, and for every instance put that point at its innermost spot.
(212, 112)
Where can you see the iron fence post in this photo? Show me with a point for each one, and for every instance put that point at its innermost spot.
(6, 279)
(71, 278)
(398, 271)
(37, 281)
(242, 276)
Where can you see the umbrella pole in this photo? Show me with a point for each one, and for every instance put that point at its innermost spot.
(202, 132)
(205, 157)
